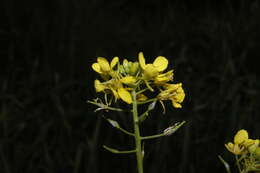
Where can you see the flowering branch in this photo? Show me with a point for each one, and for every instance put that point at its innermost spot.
(131, 82)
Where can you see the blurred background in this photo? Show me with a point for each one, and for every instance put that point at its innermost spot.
(48, 46)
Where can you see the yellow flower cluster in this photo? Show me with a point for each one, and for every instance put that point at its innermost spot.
(243, 145)
(119, 79)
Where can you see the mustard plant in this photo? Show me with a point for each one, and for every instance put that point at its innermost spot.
(246, 152)
(132, 83)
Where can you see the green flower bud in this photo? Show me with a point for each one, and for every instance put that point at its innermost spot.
(126, 66)
(254, 146)
(134, 68)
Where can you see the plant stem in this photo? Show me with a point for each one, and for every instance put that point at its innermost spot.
(153, 136)
(138, 146)
(238, 164)
(112, 150)
(105, 107)
(125, 131)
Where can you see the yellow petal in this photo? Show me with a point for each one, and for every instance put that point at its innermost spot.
(238, 149)
(229, 146)
(103, 63)
(96, 67)
(175, 104)
(99, 86)
(160, 63)
(241, 136)
(172, 87)
(150, 72)
(163, 78)
(125, 95)
(128, 80)
(114, 93)
(141, 60)
(180, 95)
(114, 62)
(248, 142)
(177, 100)
(163, 95)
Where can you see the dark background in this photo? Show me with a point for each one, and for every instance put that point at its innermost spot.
(48, 46)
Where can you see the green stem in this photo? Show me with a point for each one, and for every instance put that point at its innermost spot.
(153, 136)
(139, 92)
(112, 150)
(139, 156)
(105, 107)
(125, 131)
(238, 164)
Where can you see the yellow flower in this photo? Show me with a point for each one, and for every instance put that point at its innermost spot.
(103, 67)
(173, 92)
(152, 70)
(115, 87)
(119, 91)
(240, 143)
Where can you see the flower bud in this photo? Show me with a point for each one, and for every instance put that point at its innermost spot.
(126, 66)
(134, 68)
(254, 146)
